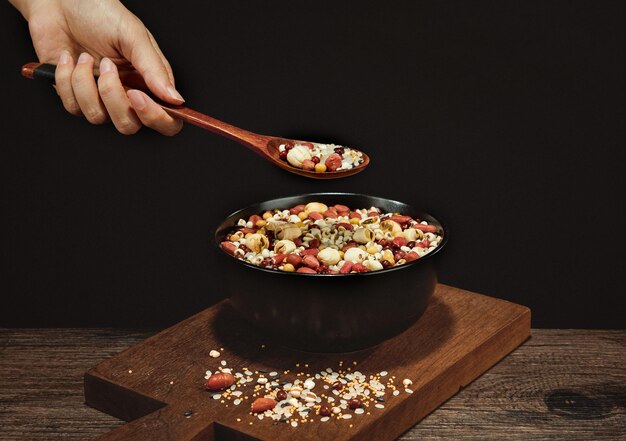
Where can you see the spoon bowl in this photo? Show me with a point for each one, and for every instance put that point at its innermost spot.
(265, 146)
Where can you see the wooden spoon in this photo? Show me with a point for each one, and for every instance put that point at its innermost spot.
(265, 146)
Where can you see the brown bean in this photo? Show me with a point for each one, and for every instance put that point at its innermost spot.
(333, 162)
(425, 228)
(346, 268)
(219, 381)
(306, 270)
(359, 268)
(307, 164)
(297, 209)
(401, 219)
(262, 404)
(294, 259)
(311, 262)
(229, 247)
(411, 256)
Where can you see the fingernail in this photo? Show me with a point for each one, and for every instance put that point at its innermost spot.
(136, 99)
(84, 58)
(174, 94)
(106, 65)
(64, 58)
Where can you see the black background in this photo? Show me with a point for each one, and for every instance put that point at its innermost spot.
(503, 119)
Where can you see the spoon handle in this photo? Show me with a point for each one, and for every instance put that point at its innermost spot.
(248, 139)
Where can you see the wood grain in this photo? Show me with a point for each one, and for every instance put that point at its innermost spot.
(41, 396)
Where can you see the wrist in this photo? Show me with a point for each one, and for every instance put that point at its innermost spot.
(28, 7)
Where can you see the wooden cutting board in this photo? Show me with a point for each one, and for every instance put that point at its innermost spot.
(158, 384)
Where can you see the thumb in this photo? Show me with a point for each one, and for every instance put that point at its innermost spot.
(152, 66)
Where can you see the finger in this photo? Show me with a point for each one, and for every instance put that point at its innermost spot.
(152, 115)
(86, 91)
(137, 47)
(115, 100)
(166, 63)
(63, 80)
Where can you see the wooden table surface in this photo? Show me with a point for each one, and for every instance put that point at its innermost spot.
(561, 384)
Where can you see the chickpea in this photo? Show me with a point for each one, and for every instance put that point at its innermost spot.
(320, 168)
(354, 221)
(288, 268)
(260, 223)
(302, 215)
(267, 215)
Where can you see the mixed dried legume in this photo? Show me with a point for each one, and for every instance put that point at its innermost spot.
(319, 158)
(320, 239)
(299, 396)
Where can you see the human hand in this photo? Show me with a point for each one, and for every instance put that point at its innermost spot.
(77, 34)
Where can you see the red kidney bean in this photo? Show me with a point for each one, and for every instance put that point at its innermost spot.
(324, 411)
(244, 248)
(411, 256)
(283, 155)
(314, 243)
(339, 150)
(411, 244)
(346, 268)
(229, 247)
(333, 162)
(315, 159)
(315, 215)
(354, 403)
(266, 261)
(311, 262)
(399, 255)
(308, 144)
(306, 270)
(278, 259)
(307, 164)
(386, 264)
(297, 241)
(310, 252)
(297, 209)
